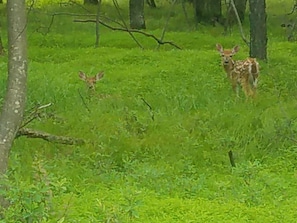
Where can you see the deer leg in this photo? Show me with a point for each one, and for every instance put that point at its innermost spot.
(235, 87)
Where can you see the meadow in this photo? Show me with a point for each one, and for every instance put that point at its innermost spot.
(158, 127)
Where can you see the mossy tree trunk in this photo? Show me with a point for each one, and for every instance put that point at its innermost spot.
(207, 10)
(14, 101)
(136, 10)
(258, 29)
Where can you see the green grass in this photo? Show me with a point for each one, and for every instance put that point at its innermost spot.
(167, 164)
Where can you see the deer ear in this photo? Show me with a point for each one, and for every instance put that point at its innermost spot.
(99, 76)
(219, 48)
(235, 49)
(82, 75)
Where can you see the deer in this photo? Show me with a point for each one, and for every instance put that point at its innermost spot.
(91, 81)
(242, 73)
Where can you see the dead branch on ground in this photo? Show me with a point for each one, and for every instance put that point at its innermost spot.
(30, 133)
(231, 158)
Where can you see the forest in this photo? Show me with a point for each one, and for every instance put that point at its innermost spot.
(129, 116)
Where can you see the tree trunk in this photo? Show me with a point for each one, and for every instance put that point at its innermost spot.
(14, 101)
(136, 9)
(207, 11)
(258, 29)
(93, 2)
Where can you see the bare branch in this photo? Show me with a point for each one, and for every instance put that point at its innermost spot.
(239, 23)
(115, 2)
(150, 107)
(29, 133)
(34, 114)
(83, 100)
(167, 22)
(231, 158)
(132, 31)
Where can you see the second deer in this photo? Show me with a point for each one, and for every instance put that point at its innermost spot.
(240, 72)
(91, 81)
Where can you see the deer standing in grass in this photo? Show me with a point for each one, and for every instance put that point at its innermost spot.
(91, 81)
(242, 73)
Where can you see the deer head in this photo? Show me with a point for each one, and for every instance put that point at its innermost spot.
(91, 81)
(226, 55)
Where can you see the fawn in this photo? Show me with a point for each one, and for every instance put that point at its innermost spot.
(240, 72)
(91, 81)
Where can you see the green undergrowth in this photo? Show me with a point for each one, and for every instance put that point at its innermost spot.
(158, 129)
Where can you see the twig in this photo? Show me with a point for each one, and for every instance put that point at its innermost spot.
(130, 30)
(29, 133)
(166, 23)
(150, 107)
(83, 100)
(293, 9)
(231, 158)
(239, 23)
(34, 114)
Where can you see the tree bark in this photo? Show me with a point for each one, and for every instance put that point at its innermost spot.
(136, 10)
(258, 29)
(207, 11)
(14, 101)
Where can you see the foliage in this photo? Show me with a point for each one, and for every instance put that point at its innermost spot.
(158, 127)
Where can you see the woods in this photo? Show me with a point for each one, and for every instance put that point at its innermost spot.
(132, 111)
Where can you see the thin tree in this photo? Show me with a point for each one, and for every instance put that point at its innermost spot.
(14, 102)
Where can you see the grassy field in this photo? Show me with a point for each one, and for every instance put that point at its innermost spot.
(158, 126)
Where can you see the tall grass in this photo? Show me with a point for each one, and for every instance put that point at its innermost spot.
(158, 127)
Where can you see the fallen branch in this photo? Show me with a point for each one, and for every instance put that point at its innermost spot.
(29, 133)
(131, 31)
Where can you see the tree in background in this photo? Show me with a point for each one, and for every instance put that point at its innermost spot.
(207, 10)
(136, 11)
(240, 7)
(14, 101)
(258, 29)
